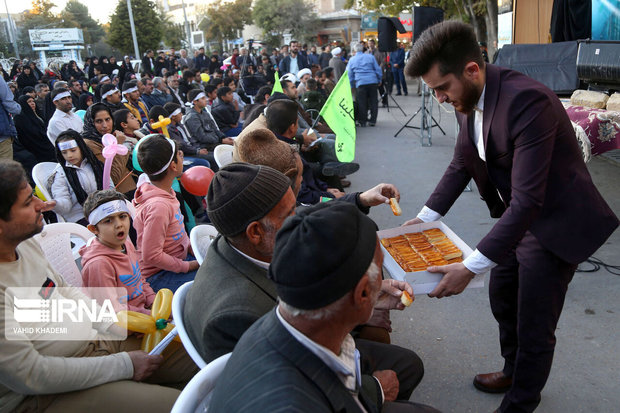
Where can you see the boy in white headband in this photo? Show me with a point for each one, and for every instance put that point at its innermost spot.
(110, 260)
(167, 260)
(203, 130)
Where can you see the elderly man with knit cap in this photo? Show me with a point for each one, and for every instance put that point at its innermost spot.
(308, 361)
(248, 204)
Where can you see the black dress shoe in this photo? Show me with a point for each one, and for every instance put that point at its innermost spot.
(398, 94)
(345, 183)
(493, 382)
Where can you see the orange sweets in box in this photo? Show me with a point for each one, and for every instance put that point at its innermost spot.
(419, 250)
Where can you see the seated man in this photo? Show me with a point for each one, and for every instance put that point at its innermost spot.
(247, 204)
(308, 360)
(60, 375)
(203, 130)
(111, 97)
(225, 113)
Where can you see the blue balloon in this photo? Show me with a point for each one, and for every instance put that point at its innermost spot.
(81, 113)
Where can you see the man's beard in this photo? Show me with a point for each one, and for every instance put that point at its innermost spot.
(470, 97)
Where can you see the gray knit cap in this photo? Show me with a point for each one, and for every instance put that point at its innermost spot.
(241, 193)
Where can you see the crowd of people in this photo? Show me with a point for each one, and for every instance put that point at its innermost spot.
(292, 285)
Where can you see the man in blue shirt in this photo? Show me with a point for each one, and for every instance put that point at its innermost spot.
(365, 76)
(397, 60)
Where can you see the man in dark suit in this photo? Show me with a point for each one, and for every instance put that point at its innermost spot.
(518, 145)
(148, 64)
(300, 357)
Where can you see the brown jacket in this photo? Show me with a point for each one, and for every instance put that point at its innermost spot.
(119, 167)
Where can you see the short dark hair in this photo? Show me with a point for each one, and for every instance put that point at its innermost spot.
(99, 198)
(311, 84)
(284, 83)
(227, 80)
(215, 81)
(450, 43)
(171, 107)
(120, 116)
(260, 95)
(281, 114)
(223, 91)
(188, 74)
(157, 111)
(58, 91)
(210, 88)
(191, 95)
(12, 180)
(328, 71)
(153, 154)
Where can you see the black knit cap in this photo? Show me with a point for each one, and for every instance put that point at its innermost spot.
(321, 254)
(241, 193)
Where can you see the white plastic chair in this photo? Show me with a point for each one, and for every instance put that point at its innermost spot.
(40, 174)
(200, 237)
(223, 155)
(196, 396)
(178, 302)
(55, 241)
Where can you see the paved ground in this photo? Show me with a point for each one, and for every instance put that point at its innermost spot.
(457, 337)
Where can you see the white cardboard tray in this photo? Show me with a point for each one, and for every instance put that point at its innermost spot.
(423, 282)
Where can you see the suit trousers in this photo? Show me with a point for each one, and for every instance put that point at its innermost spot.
(399, 79)
(527, 294)
(406, 364)
(367, 99)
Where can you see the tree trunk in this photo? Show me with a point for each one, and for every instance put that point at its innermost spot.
(491, 21)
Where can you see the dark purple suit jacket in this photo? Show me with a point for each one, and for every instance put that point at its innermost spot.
(534, 161)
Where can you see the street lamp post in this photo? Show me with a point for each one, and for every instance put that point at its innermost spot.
(14, 34)
(187, 32)
(133, 30)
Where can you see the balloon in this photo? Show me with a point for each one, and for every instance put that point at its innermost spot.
(197, 179)
(155, 326)
(39, 194)
(80, 113)
(162, 124)
(111, 148)
(205, 77)
(134, 154)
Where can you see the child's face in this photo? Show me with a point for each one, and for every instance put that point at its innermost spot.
(212, 95)
(73, 156)
(132, 122)
(113, 230)
(232, 86)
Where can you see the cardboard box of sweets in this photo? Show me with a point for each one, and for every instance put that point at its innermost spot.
(423, 282)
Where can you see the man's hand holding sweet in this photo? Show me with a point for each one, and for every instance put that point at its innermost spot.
(389, 296)
(455, 279)
(378, 195)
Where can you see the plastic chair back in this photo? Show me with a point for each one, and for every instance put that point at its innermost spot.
(40, 175)
(55, 241)
(200, 238)
(196, 396)
(178, 302)
(223, 155)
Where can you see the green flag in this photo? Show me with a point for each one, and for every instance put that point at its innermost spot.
(277, 87)
(338, 113)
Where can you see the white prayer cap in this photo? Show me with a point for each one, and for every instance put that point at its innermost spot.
(303, 72)
(336, 51)
(289, 76)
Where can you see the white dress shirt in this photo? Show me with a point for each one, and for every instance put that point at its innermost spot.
(60, 122)
(261, 264)
(476, 262)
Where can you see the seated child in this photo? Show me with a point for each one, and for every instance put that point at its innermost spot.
(225, 113)
(78, 174)
(111, 260)
(126, 122)
(166, 256)
(192, 152)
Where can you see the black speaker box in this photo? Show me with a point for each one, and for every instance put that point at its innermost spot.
(423, 18)
(598, 63)
(552, 64)
(387, 27)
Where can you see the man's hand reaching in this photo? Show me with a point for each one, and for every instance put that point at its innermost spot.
(391, 291)
(378, 195)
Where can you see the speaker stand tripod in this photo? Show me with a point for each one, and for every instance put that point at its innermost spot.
(388, 93)
(428, 121)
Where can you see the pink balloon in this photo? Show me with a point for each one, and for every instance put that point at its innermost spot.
(111, 148)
